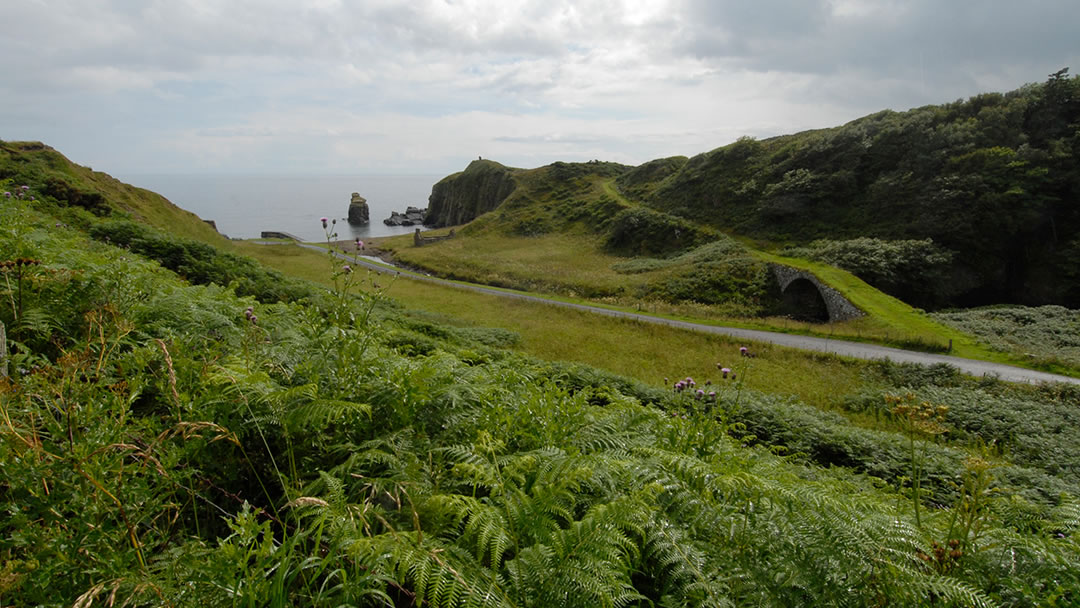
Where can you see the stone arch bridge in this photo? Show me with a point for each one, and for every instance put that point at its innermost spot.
(805, 297)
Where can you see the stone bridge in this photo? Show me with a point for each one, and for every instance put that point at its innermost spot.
(805, 297)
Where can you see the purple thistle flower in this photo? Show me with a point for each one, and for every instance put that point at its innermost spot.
(26, 187)
(31, 198)
(725, 371)
(732, 375)
(699, 394)
(254, 320)
(324, 220)
(347, 269)
(712, 395)
(7, 194)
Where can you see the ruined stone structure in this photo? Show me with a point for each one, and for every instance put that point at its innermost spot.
(805, 297)
(274, 234)
(420, 240)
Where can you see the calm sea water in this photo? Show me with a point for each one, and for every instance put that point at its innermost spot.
(242, 206)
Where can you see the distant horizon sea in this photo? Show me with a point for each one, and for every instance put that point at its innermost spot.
(243, 206)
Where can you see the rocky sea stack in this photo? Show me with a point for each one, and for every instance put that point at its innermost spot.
(358, 210)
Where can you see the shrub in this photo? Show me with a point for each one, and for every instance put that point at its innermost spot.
(202, 264)
(641, 231)
(916, 271)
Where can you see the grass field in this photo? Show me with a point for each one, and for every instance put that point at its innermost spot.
(647, 352)
(573, 265)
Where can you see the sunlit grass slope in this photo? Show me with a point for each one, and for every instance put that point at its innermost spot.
(89, 191)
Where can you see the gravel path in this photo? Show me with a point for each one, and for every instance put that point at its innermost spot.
(850, 349)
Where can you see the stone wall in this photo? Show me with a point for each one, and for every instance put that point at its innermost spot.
(270, 234)
(840, 309)
(420, 240)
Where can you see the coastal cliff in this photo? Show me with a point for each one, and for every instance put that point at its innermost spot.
(461, 197)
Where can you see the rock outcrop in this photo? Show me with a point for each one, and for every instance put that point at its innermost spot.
(412, 217)
(358, 210)
(461, 197)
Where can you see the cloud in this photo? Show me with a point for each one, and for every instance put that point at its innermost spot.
(329, 85)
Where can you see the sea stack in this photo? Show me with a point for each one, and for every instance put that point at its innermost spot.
(358, 210)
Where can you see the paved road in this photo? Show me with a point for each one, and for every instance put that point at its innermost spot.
(850, 349)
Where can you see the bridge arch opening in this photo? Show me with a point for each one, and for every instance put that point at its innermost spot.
(802, 300)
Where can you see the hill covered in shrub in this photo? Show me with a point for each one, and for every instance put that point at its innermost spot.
(994, 180)
(991, 183)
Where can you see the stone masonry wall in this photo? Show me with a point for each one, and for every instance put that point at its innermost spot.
(840, 309)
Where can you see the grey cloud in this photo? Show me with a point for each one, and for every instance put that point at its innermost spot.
(944, 39)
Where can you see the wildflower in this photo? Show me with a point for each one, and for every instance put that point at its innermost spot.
(32, 198)
(324, 220)
(699, 395)
(347, 269)
(743, 350)
(712, 395)
(359, 245)
(7, 194)
(725, 371)
(26, 187)
(254, 320)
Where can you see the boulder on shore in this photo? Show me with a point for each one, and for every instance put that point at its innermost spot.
(413, 216)
(358, 210)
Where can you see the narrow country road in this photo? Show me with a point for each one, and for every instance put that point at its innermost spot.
(850, 349)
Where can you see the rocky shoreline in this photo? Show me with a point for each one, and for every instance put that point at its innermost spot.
(413, 216)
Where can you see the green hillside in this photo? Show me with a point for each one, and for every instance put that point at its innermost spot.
(80, 194)
(969, 203)
(994, 180)
(166, 441)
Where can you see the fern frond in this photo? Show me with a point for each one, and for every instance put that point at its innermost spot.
(950, 591)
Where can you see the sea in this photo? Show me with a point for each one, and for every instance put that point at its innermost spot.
(243, 206)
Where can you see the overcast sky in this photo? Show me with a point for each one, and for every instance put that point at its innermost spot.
(424, 86)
